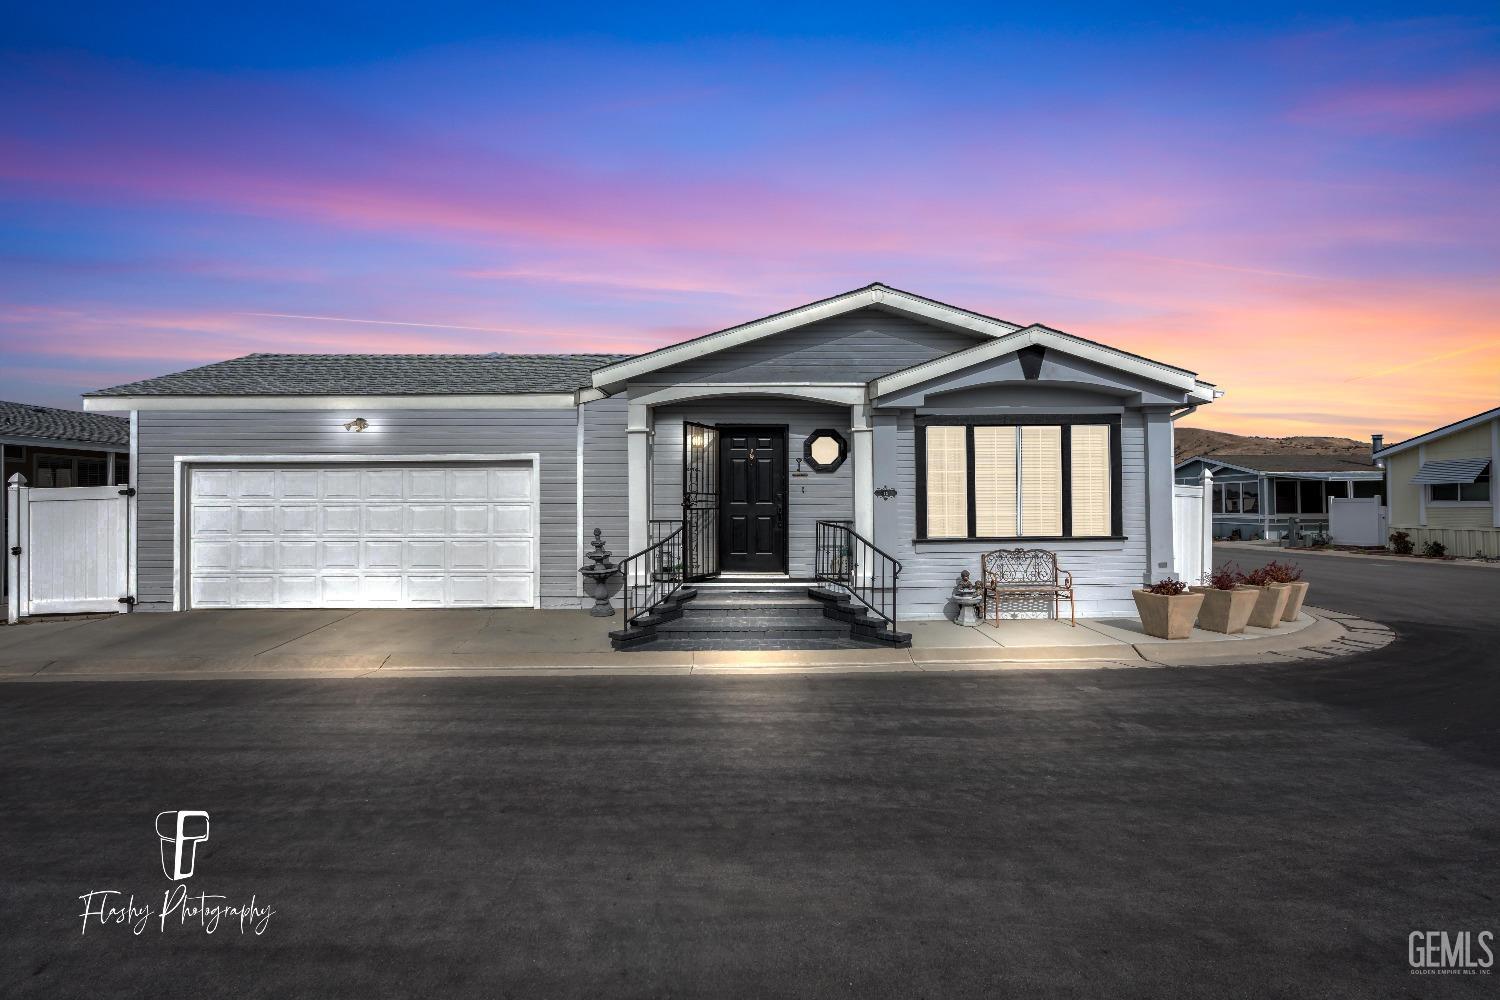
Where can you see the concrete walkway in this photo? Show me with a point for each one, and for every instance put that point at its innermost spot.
(470, 642)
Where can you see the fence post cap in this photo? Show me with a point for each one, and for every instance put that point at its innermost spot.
(16, 480)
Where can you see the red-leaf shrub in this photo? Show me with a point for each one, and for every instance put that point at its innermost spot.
(1225, 577)
(1168, 588)
(1280, 572)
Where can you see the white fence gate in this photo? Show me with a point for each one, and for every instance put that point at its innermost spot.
(1360, 521)
(68, 549)
(1192, 532)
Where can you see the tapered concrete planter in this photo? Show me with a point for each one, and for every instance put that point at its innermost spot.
(1270, 604)
(1297, 593)
(1226, 611)
(1167, 616)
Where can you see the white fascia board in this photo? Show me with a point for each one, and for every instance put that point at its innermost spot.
(1042, 336)
(1433, 435)
(889, 298)
(488, 401)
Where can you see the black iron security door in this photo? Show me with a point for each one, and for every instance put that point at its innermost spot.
(700, 500)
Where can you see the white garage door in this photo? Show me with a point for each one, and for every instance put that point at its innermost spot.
(365, 536)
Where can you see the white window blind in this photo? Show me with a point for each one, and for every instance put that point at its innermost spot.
(1041, 480)
(995, 495)
(1091, 480)
(947, 483)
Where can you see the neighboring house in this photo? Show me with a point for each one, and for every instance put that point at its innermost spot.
(452, 480)
(1257, 495)
(55, 447)
(1440, 485)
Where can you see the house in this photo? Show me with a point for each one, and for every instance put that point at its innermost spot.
(1257, 495)
(934, 432)
(1439, 485)
(56, 447)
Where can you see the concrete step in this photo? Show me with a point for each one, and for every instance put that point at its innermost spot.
(750, 645)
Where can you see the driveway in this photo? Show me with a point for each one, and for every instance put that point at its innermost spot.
(1214, 832)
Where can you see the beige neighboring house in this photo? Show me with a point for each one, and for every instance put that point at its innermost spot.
(1439, 485)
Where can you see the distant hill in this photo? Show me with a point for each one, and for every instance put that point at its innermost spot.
(1193, 441)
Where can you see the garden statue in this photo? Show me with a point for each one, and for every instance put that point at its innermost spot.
(967, 597)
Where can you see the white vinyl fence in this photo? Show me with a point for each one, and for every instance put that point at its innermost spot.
(1360, 521)
(1192, 531)
(67, 549)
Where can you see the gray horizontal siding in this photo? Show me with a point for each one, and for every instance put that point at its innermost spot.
(164, 434)
(606, 490)
(1104, 572)
(855, 347)
(810, 498)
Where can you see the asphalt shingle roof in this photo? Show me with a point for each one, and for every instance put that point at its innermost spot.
(374, 374)
(26, 420)
(1296, 463)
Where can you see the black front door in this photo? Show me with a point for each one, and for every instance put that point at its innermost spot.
(752, 499)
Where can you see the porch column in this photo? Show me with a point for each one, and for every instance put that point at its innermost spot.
(638, 475)
(887, 517)
(1160, 479)
(864, 473)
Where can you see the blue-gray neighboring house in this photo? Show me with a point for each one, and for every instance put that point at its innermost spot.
(1257, 495)
(931, 432)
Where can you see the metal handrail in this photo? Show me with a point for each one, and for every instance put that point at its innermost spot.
(850, 561)
(653, 574)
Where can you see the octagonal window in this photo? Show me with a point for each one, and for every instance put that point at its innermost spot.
(825, 450)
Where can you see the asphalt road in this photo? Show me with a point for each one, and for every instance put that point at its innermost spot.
(1217, 832)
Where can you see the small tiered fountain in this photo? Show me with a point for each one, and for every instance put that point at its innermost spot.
(968, 599)
(598, 574)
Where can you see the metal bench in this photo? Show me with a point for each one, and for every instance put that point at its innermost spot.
(1025, 573)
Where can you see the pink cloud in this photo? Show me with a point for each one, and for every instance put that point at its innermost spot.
(1404, 106)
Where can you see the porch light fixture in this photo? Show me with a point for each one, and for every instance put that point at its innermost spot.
(825, 450)
(357, 424)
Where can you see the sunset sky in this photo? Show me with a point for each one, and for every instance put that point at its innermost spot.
(1302, 205)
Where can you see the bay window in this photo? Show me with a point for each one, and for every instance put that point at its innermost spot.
(1017, 478)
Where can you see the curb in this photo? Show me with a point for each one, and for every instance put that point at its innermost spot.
(1330, 634)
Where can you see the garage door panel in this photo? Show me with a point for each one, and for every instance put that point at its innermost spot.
(255, 556)
(297, 519)
(426, 556)
(427, 519)
(510, 520)
(385, 519)
(254, 484)
(385, 484)
(514, 555)
(213, 557)
(341, 555)
(469, 484)
(340, 519)
(213, 520)
(340, 484)
(298, 484)
(470, 519)
(362, 536)
(298, 555)
(469, 555)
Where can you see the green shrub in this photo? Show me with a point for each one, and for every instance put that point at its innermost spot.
(1401, 543)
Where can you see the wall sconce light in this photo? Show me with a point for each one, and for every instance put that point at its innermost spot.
(357, 424)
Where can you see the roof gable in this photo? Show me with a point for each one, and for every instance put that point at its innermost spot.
(1432, 435)
(1021, 341)
(872, 296)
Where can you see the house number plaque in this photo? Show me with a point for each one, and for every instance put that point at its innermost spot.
(886, 493)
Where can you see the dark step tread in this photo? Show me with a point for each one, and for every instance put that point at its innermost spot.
(747, 645)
